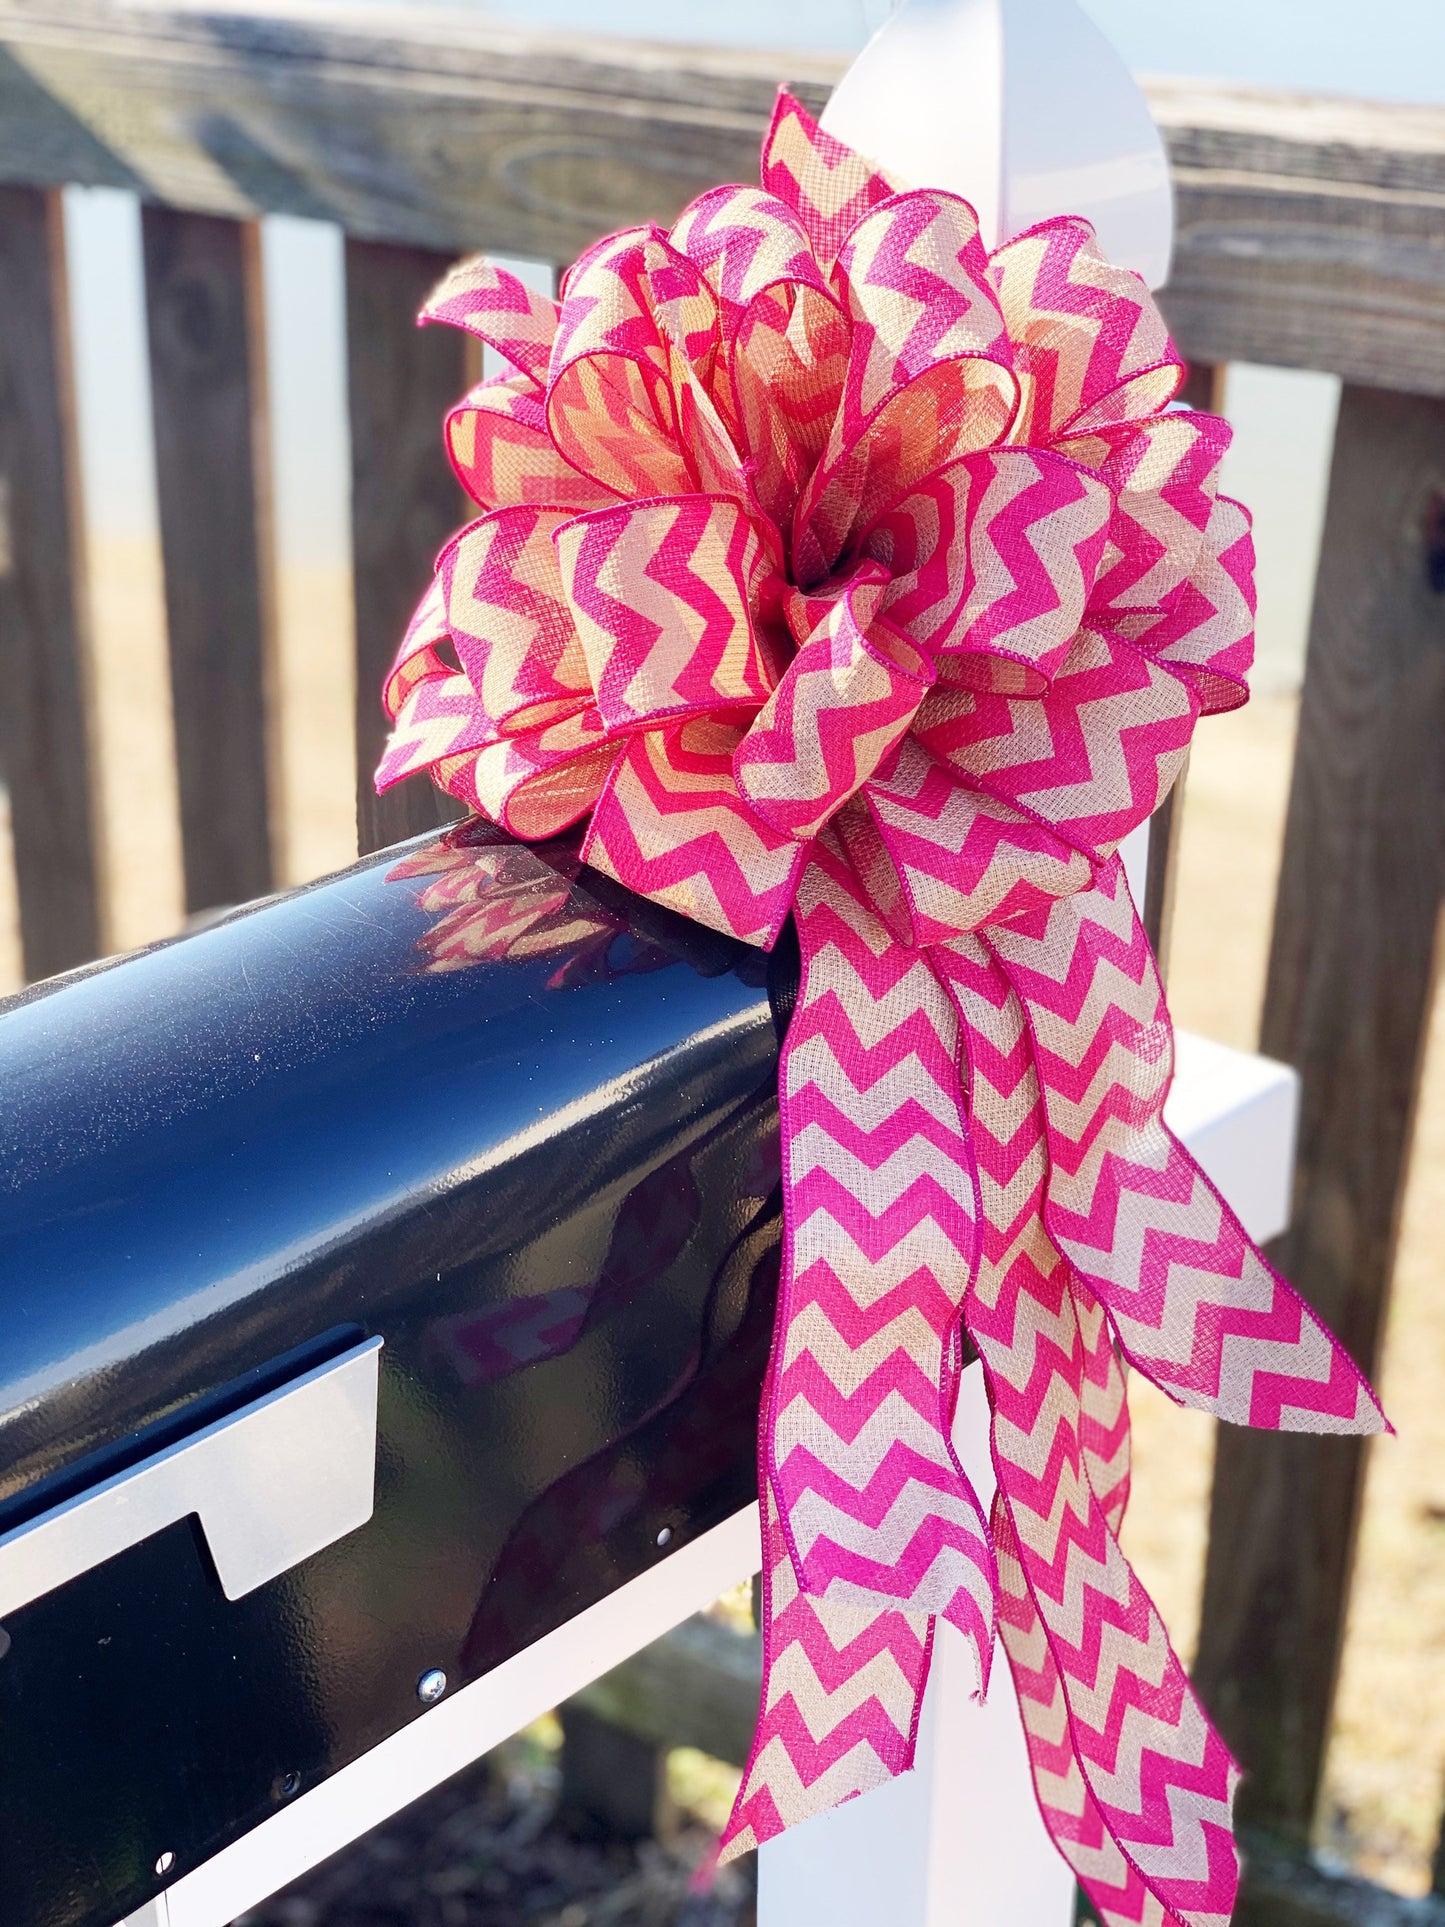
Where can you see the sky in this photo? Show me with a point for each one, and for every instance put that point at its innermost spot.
(1388, 49)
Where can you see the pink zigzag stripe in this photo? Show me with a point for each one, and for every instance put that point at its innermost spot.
(511, 317)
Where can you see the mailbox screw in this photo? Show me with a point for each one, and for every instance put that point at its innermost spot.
(165, 1863)
(664, 1538)
(431, 1686)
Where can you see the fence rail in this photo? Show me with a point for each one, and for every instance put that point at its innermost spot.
(1310, 235)
(1310, 231)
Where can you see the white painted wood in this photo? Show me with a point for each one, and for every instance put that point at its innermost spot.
(1023, 108)
(1134, 853)
(1239, 1115)
(155, 1913)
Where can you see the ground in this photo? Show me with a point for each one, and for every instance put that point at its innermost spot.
(484, 1851)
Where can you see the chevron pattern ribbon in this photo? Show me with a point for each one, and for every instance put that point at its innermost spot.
(831, 567)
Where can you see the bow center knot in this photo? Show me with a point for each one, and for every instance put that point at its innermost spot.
(839, 710)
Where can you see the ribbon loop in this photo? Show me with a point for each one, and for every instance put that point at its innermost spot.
(671, 825)
(661, 594)
(993, 562)
(504, 312)
(1093, 349)
(509, 620)
(1092, 760)
(964, 858)
(610, 407)
(502, 455)
(1164, 480)
(539, 784)
(1204, 631)
(929, 374)
(829, 187)
(747, 242)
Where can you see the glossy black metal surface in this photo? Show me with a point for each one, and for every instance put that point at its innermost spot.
(467, 1097)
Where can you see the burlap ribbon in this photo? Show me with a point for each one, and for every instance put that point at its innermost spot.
(834, 567)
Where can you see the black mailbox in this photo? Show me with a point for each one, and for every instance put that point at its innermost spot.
(452, 1180)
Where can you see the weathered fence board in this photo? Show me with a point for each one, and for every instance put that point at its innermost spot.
(614, 1785)
(440, 132)
(1204, 386)
(1310, 231)
(404, 502)
(212, 476)
(1161, 879)
(1347, 1001)
(45, 757)
(696, 1686)
(1284, 1889)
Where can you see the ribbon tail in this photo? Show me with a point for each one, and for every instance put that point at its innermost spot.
(1104, 1436)
(841, 1697)
(1157, 1777)
(863, 1492)
(1194, 1303)
(1071, 1814)
(880, 1243)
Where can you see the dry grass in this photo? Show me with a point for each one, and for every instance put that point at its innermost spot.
(486, 1850)
(1385, 1764)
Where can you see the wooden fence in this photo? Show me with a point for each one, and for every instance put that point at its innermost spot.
(1311, 234)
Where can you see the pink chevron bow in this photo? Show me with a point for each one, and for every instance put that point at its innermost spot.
(832, 566)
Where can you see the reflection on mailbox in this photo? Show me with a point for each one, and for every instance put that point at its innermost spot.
(466, 1111)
